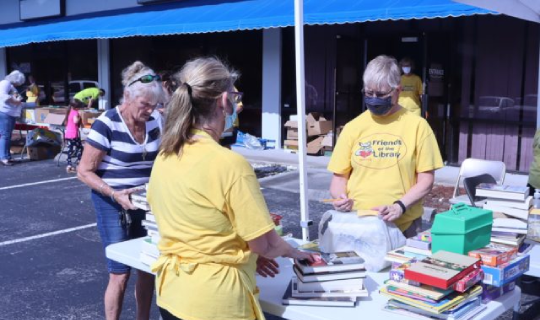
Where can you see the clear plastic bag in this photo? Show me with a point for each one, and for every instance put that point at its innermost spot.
(370, 236)
(251, 142)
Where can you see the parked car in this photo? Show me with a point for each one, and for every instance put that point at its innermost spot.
(73, 87)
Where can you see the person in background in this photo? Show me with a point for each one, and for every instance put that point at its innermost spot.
(385, 158)
(215, 228)
(90, 96)
(410, 96)
(534, 171)
(119, 154)
(10, 109)
(72, 134)
(32, 93)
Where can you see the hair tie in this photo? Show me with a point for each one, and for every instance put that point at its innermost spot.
(188, 88)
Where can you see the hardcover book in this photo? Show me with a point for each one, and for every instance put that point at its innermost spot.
(442, 269)
(333, 293)
(328, 276)
(288, 299)
(498, 203)
(502, 191)
(332, 262)
(508, 212)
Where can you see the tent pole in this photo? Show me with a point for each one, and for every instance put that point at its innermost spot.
(301, 111)
(538, 92)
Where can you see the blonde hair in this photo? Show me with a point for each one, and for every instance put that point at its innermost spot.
(133, 72)
(382, 73)
(201, 82)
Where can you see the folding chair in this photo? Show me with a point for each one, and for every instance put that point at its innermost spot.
(470, 185)
(474, 167)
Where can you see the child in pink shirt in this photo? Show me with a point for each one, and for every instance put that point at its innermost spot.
(72, 135)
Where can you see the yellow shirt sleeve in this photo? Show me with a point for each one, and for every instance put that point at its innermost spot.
(247, 210)
(428, 156)
(340, 162)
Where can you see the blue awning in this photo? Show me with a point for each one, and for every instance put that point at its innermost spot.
(202, 16)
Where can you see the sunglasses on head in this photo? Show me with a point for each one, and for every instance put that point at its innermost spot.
(147, 79)
(378, 94)
(236, 96)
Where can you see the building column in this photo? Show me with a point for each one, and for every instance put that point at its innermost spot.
(3, 63)
(271, 90)
(104, 74)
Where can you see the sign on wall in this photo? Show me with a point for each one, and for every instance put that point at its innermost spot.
(37, 9)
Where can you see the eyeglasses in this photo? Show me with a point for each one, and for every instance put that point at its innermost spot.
(236, 96)
(369, 93)
(147, 79)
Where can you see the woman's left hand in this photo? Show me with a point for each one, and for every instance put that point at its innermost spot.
(389, 212)
(267, 267)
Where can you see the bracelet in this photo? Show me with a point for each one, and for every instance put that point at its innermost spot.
(100, 189)
(112, 195)
(403, 207)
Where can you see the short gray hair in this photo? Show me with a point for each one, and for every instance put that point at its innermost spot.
(139, 89)
(16, 78)
(381, 73)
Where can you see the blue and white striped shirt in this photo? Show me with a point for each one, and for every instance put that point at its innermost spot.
(126, 163)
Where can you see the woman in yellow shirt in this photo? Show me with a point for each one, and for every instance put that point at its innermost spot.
(411, 88)
(385, 158)
(215, 228)
(32, 93)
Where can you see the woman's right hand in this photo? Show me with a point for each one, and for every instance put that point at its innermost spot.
(301, 255)
(122, 197)
(344, 204)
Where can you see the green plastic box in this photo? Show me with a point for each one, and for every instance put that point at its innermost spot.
(461, 229)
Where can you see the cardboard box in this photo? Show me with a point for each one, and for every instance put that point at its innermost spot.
(461, 229)
(292, 130)
(42, 113)
(490, 293)
(87, 115)
(317, 125)
(501, 275)
(28, 115)
(314, 147)
(328, 141)
(56, 119)
(43, 151)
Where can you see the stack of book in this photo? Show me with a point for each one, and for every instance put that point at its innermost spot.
(510, 206)
(417, 247)
(149, 251)
(337, 279)
(441, 286)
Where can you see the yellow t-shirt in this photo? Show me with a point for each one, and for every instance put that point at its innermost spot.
(32, 94)
(409, 97)
(383, 156)
(207, 205)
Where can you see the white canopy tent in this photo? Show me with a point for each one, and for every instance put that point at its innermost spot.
(521, 9)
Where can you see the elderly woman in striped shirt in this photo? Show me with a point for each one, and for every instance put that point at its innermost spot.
(119, 153)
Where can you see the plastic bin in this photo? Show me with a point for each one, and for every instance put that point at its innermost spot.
(461, 229)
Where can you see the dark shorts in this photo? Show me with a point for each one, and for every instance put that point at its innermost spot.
(111, 229)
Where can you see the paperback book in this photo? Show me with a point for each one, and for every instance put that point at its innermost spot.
(442, 305)
(422, 290)
(334, 293)
(508, 212)
(518, 204)
(420, 241)
(289, 299)
(345, 284)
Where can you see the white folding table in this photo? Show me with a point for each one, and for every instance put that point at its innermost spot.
(272, 290)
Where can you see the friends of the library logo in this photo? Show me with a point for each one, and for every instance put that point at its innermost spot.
(375, 150)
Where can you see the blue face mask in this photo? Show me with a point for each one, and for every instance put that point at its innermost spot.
(378, 106)
(230, 118)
